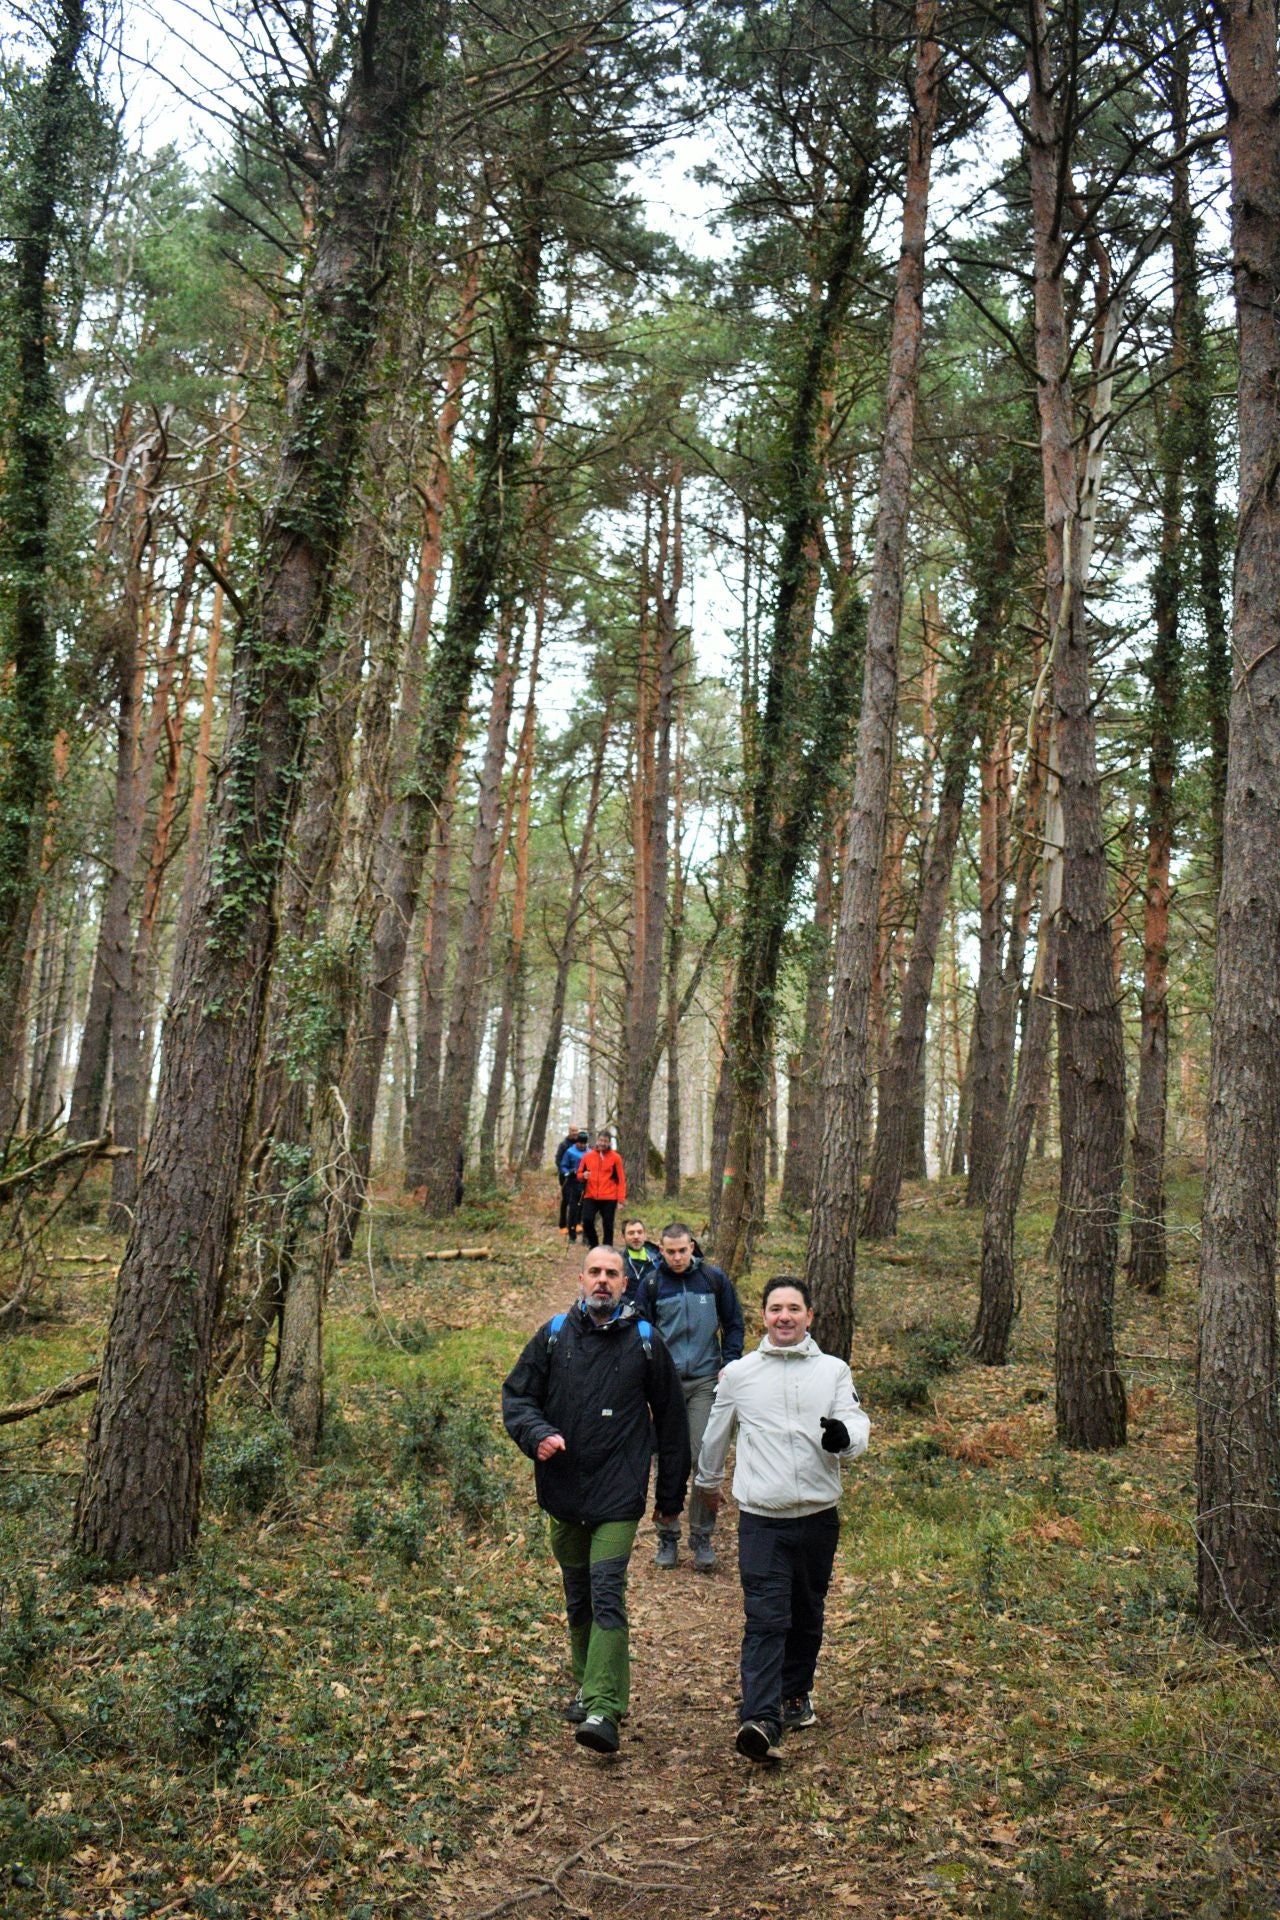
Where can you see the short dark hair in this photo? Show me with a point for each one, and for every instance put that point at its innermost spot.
(632, 1220)
(676, 1231)
(787, 1280)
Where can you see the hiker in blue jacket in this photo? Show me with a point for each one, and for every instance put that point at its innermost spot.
(570, 1140)
(570, 1186)
(695, 1308)
(585, 1400)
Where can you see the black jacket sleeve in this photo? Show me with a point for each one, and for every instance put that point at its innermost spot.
(732, 1331)
(523, 1393)
(671, 1430)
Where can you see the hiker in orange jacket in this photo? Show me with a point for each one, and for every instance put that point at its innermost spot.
(604, 1187)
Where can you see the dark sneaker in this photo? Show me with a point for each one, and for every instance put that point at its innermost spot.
(575, 1710)
(597, 1733)
(798, 1713)
(757, 1739)
(668, 1550)
(704, 1555)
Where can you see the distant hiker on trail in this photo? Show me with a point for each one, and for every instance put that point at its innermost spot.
(797, 1418)
(571, 1160)
(579, 1401)
(640, 1255)
(695, 1308)
(604, 1188)
(570, 1140)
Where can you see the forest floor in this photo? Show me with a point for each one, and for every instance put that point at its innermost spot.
(347, 1704)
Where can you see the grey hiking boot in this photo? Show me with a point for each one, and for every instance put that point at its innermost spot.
(668, 1550)
(704, 1555)
(575, 1710)
(758, 1740)
(798, 1713)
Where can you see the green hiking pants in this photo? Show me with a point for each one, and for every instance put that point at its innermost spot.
(593, 1564)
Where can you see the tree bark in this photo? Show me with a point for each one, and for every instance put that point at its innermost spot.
(1090, 1393)
(642, 1036)
(490, 517)
(1238, 1426)
(987, 1089)
(898, 1087)
(36, 430)
(1147, 1251)
(540, 1106)
(139, 1501)
(831, 1259)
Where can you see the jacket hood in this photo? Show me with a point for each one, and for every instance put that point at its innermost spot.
(802, 1347)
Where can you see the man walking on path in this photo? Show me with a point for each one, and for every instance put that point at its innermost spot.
(570, 1140)
(604, 1188)
(571, 1186)
(797, 1418)
(580, 1401)
(696, 1310)
(640, 1256)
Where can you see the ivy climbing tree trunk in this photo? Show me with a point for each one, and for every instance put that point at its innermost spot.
(830, 1262)
(139, 1500)
(36, 428)
(1238, 1428)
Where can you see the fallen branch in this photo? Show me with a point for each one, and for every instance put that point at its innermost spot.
(38, 1706)
(68, 1389)
(458, 1253)
(550, 1883)
(99, 1149)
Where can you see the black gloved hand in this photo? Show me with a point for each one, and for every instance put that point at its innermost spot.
(835, 1436)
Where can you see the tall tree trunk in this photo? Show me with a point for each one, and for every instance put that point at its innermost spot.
(36, 428)
(513, 973)
(987, 1090)
(113, 960)
(1238, 1436)
(431, 994)
(642, 1036)
(898, 1088)
(471, 959)
(1090, 1393)
(139, 1501)
(1147, 1252)
(805, 1067)
(997, 1297)
(489, 521)
(832, 1252)
(540, 1106)
(785, 787)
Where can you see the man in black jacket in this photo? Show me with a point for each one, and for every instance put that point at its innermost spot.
(579, 1401)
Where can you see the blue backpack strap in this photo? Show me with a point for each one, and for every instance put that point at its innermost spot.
(646, 1337)
(553, 1331)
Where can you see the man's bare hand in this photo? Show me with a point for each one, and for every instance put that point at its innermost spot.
(666, 1519)
(554, 1443)
(712, 1496)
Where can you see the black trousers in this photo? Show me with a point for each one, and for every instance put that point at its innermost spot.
(569, 1188)
(786, 1569)
(606, 1210)
(571, 1205)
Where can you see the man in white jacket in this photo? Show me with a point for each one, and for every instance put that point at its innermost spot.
(797, 1418)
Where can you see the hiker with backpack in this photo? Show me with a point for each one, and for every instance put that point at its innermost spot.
(592, 1391)
(695, 1307)
(604, 1188)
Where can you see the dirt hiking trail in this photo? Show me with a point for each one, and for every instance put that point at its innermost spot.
(677, 1823)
